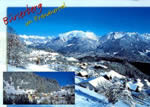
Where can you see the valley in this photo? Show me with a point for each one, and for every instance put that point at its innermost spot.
(113, 67)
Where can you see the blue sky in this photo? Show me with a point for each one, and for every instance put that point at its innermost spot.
(100, 20)
(64, 78)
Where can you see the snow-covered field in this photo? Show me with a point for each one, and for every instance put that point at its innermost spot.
(30, 67)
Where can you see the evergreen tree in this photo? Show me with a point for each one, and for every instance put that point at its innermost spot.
(16, 49)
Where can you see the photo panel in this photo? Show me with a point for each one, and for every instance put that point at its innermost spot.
(107, 48)
(38, 88)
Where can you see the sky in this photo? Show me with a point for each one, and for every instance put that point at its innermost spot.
(64, 78)
(99, 20)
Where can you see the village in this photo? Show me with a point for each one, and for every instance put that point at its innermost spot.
(113, 85)
(63, 96)
(94, 75)
(19, 89)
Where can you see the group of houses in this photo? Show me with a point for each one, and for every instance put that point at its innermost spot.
(95, 83)
(42, 57)
(55, 97)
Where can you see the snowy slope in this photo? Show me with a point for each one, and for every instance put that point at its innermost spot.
(88, 98)
(30, 67)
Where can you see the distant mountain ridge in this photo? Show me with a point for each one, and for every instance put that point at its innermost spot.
(128, 45)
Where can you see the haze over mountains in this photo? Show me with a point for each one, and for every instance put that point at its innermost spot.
(127, 45)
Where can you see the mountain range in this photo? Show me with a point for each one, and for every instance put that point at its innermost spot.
(132, 46)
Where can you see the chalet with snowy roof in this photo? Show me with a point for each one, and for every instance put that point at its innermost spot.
(112, 74)
(82, 74)
(135, 86)
(95, 83)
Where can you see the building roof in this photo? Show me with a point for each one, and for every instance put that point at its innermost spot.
(114, 74)
(96, 82)
(133, 86)
(83, 73)
(99, 81)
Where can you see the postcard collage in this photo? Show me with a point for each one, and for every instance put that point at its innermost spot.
(70, 53)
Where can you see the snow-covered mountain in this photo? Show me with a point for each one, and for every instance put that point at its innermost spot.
(128, 45)
(131, 46)
(34, 40)
(74, 41)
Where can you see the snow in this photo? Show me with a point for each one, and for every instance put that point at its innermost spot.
(115, 53)
(118, 35)
(78, 79)
(99, 81)
(28, 42)
(70, 45)
(131, 33)
(77, 33)
(89, 98)
(84, 80)
(38, 52)
(114, 74)
(31, 91)
(54, 54)
(121, 104)
(103, 66)
(91, 35)
(71, 59)
(11, 89)
(139, 105)
(13, 68)
(141, 53)
(83, 73)
(115, 35)
(147, 51)
(22, 82)
(131, 86)
(146, 36)
(30, 67)
(140, 84)
(147, 82)
(72, 68)
(31, 37)
(34, 67)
